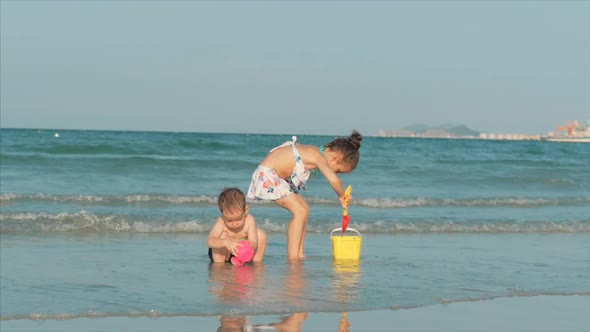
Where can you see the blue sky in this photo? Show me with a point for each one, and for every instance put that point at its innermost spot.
(304, 67)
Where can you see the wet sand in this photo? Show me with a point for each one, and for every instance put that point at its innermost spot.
(537, 313)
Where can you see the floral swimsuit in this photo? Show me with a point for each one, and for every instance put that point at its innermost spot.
(267, 184)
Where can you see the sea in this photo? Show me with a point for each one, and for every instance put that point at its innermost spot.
(114, 224)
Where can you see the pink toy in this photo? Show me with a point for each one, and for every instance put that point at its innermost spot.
(245, 254)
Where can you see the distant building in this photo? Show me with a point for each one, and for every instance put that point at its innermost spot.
(457, 132)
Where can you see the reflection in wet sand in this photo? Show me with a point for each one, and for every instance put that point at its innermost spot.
(233, 324)
(246, 285)
(347, 274)
(295, 282)
(344, 325)
(235, 284)
(292, 323)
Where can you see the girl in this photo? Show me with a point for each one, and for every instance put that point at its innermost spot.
(286, 169)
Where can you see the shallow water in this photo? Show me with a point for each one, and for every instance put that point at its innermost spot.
(122, 274)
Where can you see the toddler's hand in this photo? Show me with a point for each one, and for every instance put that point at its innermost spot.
(233, 246)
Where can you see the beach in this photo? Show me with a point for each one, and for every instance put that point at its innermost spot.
(130, 282)
(462, 129)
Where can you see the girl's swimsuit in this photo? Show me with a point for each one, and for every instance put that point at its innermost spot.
(267, 184)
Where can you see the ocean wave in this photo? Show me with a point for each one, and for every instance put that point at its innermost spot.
(377, 203)
(92, 223)
(114, 160)
(133, 144)
(471, 202)
(108, 199)
(475, 228)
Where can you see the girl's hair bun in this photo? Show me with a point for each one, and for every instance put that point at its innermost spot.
(355, 139)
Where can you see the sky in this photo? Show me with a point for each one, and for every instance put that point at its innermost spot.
(301, 67)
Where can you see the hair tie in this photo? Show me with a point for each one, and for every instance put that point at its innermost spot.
(355, 144)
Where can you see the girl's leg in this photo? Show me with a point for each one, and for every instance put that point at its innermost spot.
(302, 245)
(262, 239)
(300, 211)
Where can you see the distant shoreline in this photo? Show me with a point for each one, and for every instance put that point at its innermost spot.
(499, 137)
(540, 139)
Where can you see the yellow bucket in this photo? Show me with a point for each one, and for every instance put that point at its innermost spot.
(346, 247)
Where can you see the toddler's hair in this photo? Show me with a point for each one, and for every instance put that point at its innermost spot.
(231, 199)
(349, 147)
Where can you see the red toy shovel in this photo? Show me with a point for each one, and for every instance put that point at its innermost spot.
(345, 216)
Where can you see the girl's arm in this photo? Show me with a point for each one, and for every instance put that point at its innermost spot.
(328, 173)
